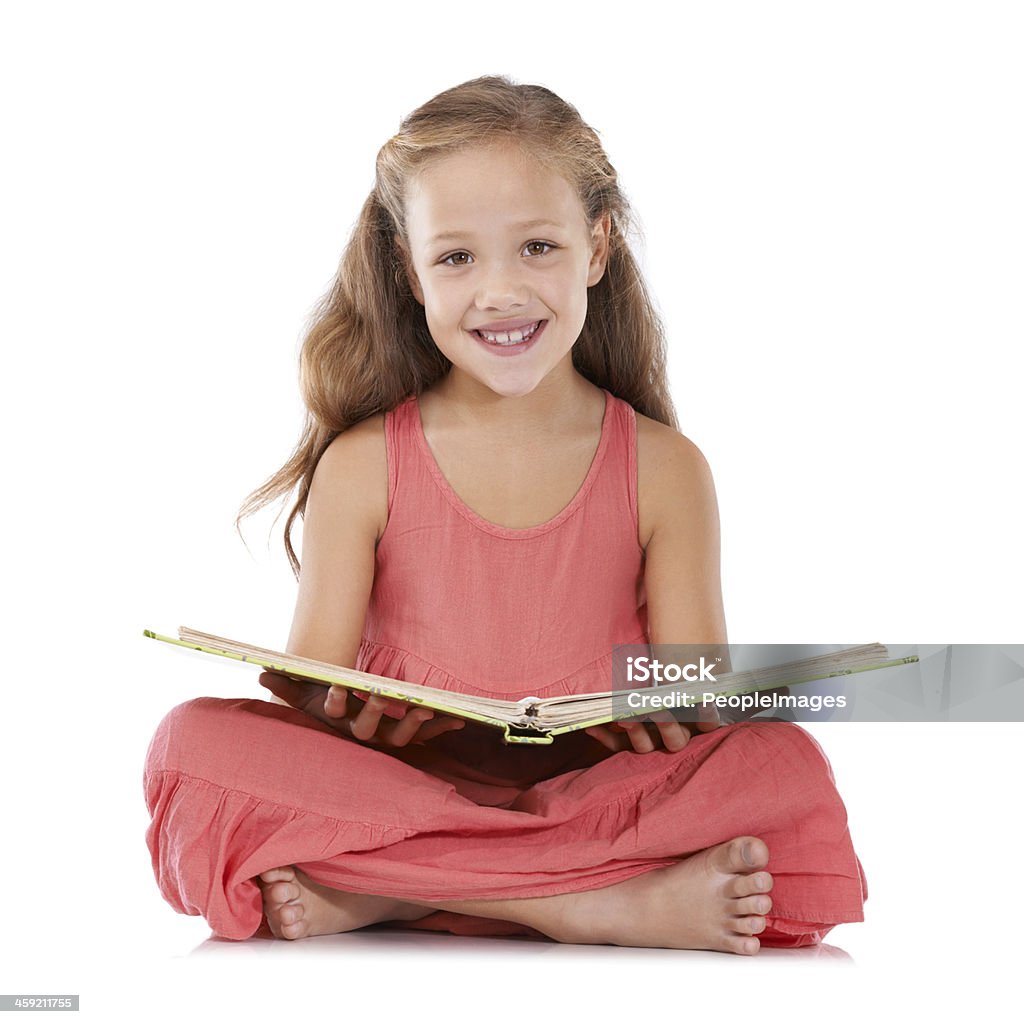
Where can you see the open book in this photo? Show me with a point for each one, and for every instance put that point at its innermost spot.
(536, 720)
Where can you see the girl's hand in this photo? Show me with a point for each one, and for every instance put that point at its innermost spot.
(358, 720)
(663, 732)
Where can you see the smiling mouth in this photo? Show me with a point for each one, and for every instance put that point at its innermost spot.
(516, 337)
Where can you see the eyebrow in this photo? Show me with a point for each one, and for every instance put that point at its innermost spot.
(526, 225)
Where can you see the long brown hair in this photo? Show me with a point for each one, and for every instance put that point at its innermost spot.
(368, 347)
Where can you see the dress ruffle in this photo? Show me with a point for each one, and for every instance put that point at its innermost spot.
(385, 660)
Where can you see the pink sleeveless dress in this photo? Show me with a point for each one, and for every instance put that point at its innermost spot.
(236, 787)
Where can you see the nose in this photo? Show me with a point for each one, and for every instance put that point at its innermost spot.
(501, 286)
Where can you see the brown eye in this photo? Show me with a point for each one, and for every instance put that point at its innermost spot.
(537, 248)
(457, 259)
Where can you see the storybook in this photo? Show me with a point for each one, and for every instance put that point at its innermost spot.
(539, 720)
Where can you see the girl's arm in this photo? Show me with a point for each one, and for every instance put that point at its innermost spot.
(679, 519)
(679, 531)
(345, 516)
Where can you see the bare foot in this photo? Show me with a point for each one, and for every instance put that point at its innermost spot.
(715, 899)
(297, 907)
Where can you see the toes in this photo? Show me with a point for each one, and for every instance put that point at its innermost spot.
(285, 874)
(752, 905)
(291, 913)
(753, 852)
(293, 931)
(285, 914)
(750, 925)
(744, 946)
(281, 892)
(741, 855)
(748, 885)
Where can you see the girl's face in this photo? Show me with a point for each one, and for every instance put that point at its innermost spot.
(500, 255)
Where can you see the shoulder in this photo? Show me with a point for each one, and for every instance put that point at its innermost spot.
(661, 448)
(357, 449)
(674, 480)
(351, 478)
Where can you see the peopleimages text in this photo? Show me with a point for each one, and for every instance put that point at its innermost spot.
(645, 700)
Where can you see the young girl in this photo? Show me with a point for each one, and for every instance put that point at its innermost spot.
(493, 493)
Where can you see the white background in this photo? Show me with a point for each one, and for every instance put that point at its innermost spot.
(831, 204)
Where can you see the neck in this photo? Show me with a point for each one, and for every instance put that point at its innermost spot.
(559, 401)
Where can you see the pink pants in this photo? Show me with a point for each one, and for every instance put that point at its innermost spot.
(236, 787)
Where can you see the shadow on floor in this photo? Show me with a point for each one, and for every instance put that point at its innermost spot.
(396, 941)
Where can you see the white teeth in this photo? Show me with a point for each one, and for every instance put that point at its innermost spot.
(509, 337)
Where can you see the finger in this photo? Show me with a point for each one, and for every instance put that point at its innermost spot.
(639, 737)
(674, 734)
(406, 728)
(606, 737)
(436, 726)
(364, 725)
(396, 709)
(274, 682)
(336, 702)
(708, 718)
(289, 690)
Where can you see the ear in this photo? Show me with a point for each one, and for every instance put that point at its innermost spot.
(410, 273)
(599, 240)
